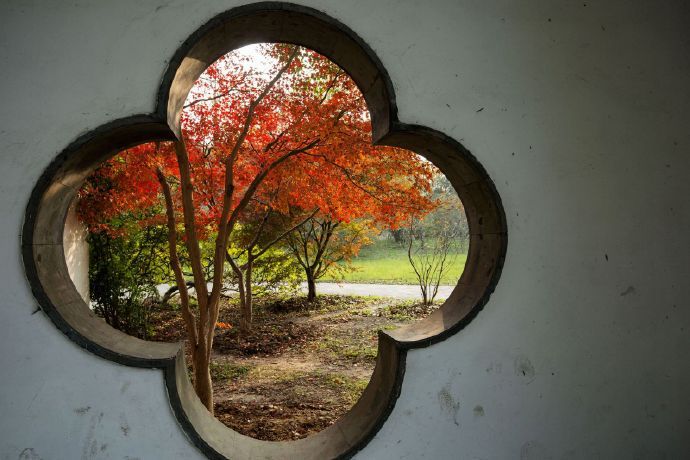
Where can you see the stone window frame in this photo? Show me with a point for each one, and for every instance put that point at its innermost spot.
(46, 211)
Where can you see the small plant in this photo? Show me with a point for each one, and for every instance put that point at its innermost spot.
(353, 387)
(368, 312)
(228, 371)
(407, 311)
(355, 352)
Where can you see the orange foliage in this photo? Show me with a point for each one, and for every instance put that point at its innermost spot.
(342, 175)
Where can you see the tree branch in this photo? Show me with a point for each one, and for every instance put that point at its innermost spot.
(283, 235)
(225, 221)
(190, 319)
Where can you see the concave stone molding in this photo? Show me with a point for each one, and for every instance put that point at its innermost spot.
(46, 212)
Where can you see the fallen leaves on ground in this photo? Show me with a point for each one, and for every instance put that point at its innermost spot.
(301, 367)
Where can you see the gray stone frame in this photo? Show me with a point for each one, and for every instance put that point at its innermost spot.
(263, 22)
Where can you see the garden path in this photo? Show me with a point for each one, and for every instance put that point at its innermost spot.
(396, 291)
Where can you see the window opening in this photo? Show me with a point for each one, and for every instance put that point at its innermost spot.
(306, 239)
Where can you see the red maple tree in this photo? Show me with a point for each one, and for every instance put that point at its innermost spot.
(265, 153)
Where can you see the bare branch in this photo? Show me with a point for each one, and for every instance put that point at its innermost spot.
(214, 97)
(283, 235)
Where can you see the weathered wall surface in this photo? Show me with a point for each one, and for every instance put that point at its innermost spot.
(580, 113)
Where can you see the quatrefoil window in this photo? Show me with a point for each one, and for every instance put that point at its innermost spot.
(263, 22)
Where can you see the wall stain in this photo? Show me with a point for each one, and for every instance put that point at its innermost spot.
(29, 454)
(629, 290)
(82, 410)
(124, 426)
(448, 404)
(496, 367)
(524, 368)
(91, 443)
(532, 450)
(478, 411)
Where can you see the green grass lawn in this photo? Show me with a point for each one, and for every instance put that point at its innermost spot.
(386, 262)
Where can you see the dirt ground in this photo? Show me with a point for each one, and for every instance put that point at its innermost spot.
(301, 367)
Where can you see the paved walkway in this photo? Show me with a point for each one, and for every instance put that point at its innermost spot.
(398, 291)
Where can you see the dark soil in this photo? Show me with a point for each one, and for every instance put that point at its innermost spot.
(301, 367)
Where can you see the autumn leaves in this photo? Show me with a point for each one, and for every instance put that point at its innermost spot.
(275, 157)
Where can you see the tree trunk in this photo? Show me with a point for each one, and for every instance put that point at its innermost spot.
(202, 378)
(311, 286)
(398, 236)
(246, 319)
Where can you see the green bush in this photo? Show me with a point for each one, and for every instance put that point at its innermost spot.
(123, 275)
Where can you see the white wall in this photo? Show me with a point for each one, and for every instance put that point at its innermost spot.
(582, 350)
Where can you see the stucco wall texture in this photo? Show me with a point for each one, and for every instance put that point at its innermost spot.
(579, 111)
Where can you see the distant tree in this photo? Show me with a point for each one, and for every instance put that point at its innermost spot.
(322, 245)
(262, 230)
(383, 188)
(434, 242)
